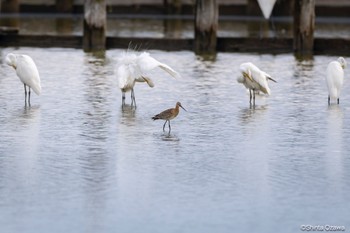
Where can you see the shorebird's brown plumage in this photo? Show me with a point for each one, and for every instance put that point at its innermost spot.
(169, 114)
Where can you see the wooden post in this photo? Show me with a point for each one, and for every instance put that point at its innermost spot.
(95, 18)
(10, 24)
(256, 29)
(304, 25)
(9, 6)
(206, 26)
(172, 27)
(172, 6)
(64, 6)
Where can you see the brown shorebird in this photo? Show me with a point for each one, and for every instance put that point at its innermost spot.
(169, 114)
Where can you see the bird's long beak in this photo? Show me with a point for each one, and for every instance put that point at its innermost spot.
(183, 108)
(272, 80)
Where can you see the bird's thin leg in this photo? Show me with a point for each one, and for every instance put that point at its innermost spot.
(329, 100)
(169, 127)
(164, 125)
(338, 100)
(250, 96)
(25, 94)
(29, 96)
(132, 97)
(123, 99)
(253, 97)
(133, 100)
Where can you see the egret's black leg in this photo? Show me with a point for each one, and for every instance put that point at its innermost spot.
(25, 94)
(329, 100)
(29, 96)
(133, 100)
(338, 100)
(253, 97)
(250, 96)
(132, 97)
(164, 125)
(123, 99)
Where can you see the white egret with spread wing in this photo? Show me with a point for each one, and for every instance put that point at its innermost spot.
(132, 67)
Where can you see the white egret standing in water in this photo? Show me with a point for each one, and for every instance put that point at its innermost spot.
(335, 78)
(131, 68)
(27, 72)
(254, 79)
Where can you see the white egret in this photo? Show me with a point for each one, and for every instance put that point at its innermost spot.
(335, 78)
(26, 71)
(131, 68)
(254, 79)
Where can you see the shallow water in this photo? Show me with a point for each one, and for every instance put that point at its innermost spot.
(76, 162)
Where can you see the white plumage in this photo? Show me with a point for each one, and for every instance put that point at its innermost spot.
(254, 79)
(26, 71)
(335, 78)
(132, 67)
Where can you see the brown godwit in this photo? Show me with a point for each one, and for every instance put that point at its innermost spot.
(169, 114)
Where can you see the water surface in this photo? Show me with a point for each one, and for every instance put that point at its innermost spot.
(75, 161)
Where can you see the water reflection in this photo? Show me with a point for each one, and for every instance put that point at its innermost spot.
(303, 67)
(335, 130)
(168, 137)
(128, 114)
(249, 114)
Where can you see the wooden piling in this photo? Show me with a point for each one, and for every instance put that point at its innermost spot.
(95, 18)
(9, 6)
(304, 25)
(64, 6)
(172, 6)
(206, 26)
(9, 25)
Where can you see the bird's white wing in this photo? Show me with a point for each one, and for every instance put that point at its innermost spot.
(124, 79)
(28, 72)
(335, 78)
(261, 80)
(147, 63)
